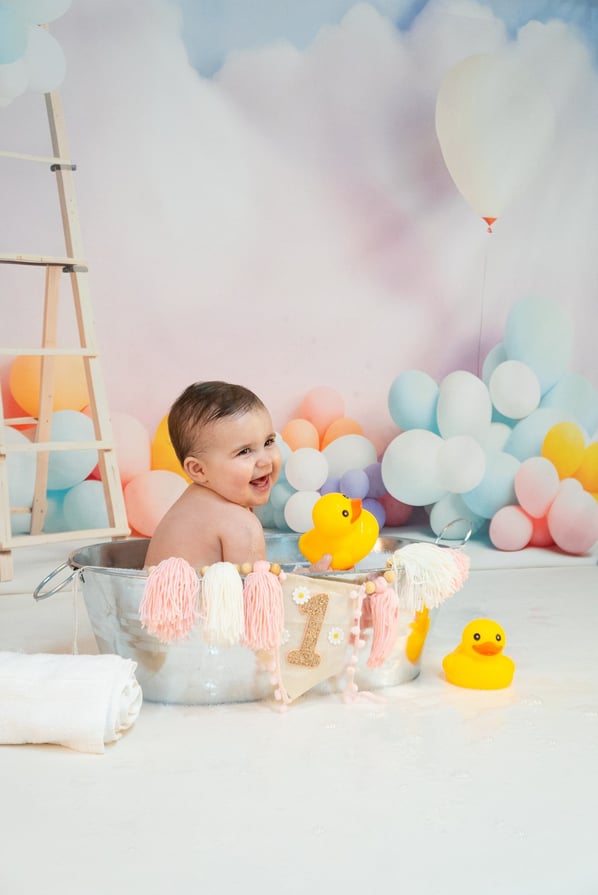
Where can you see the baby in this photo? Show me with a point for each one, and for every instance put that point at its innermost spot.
(224, 439)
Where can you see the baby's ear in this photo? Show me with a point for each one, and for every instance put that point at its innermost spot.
(195, 469)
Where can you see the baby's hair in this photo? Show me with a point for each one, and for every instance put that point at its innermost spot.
(203, 403)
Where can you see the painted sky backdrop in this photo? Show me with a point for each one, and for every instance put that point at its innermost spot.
(263, 196)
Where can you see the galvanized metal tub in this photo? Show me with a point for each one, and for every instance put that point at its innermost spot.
(191, 672)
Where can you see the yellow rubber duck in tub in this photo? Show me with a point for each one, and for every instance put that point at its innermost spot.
(478, 662)
(342, 529)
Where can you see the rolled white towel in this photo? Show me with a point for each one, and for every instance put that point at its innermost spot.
(81, 702)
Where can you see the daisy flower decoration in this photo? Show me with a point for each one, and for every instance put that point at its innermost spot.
(301, 596)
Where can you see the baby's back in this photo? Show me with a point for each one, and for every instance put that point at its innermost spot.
(204, 528)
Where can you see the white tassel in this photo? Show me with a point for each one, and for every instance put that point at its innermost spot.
(427, 574)
(221, 605)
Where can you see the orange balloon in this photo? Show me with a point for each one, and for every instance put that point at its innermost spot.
(564, 445)
(321, 406)
(70, 384)
(163, 454)
(300, 433)
(343, 426)
(587, 472)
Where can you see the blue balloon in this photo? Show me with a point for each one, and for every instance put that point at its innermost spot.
(84, 506)
(55, 520)
(528, 435)
(577, 397)
(13, 34)
(355, 483)
(412, 401)
(539, 333)
(69, 467)
(497, 488)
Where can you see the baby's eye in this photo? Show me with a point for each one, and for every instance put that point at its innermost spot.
(243, 452)
(269, 442)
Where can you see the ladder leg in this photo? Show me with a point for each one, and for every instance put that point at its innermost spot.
(46, 398)
(6, 571)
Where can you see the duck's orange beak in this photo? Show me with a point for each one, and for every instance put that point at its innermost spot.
(487, 648)
(355, 509)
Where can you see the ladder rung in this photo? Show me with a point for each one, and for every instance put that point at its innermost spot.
(85, 534)
(38, 446)
(51, 352)
(20, 421)
(46, 159)
(42, 260)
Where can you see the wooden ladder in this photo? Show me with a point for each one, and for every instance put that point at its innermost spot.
(74, 265)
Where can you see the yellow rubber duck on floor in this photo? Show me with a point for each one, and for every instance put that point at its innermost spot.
(478, 662)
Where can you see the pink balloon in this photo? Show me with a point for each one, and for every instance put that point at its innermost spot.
(536, 485)
(511, 528)
(132, 446)
(573, 518)
(541, 536)
(149, 496)
(321, 406)
(397, 513)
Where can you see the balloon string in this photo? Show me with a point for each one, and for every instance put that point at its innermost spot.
(485, 268)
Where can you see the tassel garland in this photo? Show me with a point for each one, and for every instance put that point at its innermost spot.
(427, 574)
(385, 608)
(222, 604)
(264, 608)
(170, 600)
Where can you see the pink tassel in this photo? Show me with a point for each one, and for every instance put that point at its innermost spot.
(264, 608)
(170, 600)
(385, 617)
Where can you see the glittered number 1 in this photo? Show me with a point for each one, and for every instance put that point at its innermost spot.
(306, 655)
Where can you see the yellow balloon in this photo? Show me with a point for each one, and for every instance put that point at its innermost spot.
(70, 384)
(163, 454)
(587, 473)
(564, 445)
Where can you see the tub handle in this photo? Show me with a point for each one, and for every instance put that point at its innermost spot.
(40, 594)
(463, 540)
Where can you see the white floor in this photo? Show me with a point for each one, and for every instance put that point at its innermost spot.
(438, 791)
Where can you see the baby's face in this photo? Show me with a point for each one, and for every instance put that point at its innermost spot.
(241, 460)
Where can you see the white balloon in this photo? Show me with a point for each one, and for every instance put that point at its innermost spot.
(464, 406)
(461, 464)
(306, 469)
(410, 467)
(13, 80)
(298, 508)
(44, 60)
(493, 121)
(349, 452)
(514, 389)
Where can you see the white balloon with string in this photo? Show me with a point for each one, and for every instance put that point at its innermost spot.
(493, 122)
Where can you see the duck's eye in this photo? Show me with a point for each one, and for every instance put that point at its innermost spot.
(498, 637)
(476, 636)
(345, 512)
